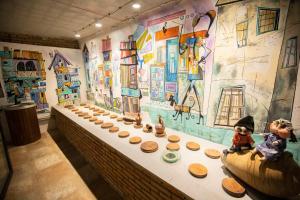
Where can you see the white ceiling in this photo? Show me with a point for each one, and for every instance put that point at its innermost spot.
(62, 18)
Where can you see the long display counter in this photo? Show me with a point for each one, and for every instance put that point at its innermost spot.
(139, 175)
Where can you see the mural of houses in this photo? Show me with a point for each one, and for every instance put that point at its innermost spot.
(68, 84)
(286, 97)
(249, 35)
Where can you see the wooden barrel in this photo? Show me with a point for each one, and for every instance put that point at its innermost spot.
(279, 178)
(23, 124)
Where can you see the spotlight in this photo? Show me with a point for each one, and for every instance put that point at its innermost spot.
(136, 5)
(77, 35)
(98, 25)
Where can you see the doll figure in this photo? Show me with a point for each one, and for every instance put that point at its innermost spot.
(275, 141)
(242, 135)
(160, 127)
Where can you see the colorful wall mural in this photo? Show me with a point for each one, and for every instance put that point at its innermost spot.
(67, 77)
(24, 77)
(202, 65)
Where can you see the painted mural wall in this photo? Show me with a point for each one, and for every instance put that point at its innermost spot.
(47, 54)
(201, 65)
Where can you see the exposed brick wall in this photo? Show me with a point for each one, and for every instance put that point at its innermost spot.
(37, 40)
(126, 176)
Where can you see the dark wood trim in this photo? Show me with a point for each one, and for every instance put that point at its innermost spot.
(38, 40)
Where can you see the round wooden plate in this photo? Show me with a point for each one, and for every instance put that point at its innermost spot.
(75, 109)
(135, 140)
(174, 138)
(100, 111)
(113, 129)
(212, 153)
(119, 119)
(198, 170)
(233, 188)
(173, 146)
(99, 121)
(113, 116)
(96, 114)
(78, 112)
(193, 146)
(123, 134)
(107, 125)
(87, 117)
(149, 146)
(93, 119)
(106, 113)
(91, 107)
(128, 123)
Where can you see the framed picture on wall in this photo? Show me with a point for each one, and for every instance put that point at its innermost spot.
(157, 82)
(5, 167)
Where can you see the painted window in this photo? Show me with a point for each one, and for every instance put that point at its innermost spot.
(231, 106)
(242, 33)
(290, 56)
(268, 19)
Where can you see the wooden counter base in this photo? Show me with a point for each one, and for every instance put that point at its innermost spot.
(126, 176)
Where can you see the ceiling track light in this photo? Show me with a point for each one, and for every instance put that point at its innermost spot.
(98, 24)
(136, 6)
(77, 35)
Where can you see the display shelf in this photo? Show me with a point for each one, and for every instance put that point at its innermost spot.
(175, 174)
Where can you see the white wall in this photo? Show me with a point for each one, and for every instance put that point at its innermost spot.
(73, 55)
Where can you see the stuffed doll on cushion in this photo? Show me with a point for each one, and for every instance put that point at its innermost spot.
(275, 141)
(242, 135)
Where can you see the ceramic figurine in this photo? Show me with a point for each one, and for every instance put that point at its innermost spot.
(275, 141)
(138, 121)
(160, 127)
(242, 135)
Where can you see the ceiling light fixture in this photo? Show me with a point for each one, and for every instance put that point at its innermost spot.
(98, 24)
(136, 5)
(77, 35)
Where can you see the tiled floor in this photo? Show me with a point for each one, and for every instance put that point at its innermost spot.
(100, 188)
(41, 171)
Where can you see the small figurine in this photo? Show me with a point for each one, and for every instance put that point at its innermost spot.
(275, 141)
(138, 121)
(160, 127)
(147, 128)
(242, 135)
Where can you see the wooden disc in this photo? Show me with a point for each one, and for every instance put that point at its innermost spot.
(74, 109)
(99, 121)
(82, 104)
(107, 125)
(128, 123)
(113, 116)
(93, 119)
(198, 170)
(123, 134)
(135, 140)
(173, 146)
(100, 111)
(96, 114)
(174, 138)
(78, 112)
(91, 107)
(193, 146)
(119, 119)
(149, 146)
(87, 117)
(233, 188)
(113, 129)
(86, 106)
(138, 126)
(96, 109)
(212, 153)
(106, 113)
